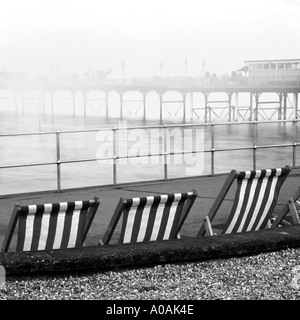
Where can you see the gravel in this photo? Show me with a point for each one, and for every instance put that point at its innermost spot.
(266, 276)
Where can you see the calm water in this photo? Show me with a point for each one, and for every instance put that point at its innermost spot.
(34, 117)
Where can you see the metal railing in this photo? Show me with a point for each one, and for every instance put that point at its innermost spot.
(212, 150)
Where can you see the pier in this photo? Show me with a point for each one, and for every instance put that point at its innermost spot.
(216, 128)
(255, 101)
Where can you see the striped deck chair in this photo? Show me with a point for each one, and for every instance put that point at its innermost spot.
(256, 196)
(51, 226)
(151, 218)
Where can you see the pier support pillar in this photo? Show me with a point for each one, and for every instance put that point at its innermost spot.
(22, 102)
(121, 106)
(16, 101)
(74, 103)
(43, 98)
(230, 113)
(106, 104)
(280, 106)
(184, 106)
(84, 104)
(285, 97)
(52, 103)
(251, 107)
(160, 106)
(144, 106)
(235, 114)
(206, 107)
(295, 105)
(192, 106)
(256, 96)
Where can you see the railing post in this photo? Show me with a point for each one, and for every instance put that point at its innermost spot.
(165, 153)
(254, 143)
(58, 162)
(184, 106)
(212, 149)
(115, 156)
(294, 141)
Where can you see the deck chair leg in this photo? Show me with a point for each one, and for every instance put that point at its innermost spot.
(294, 211)
(227, 184)
(208, 228)
(269, 223)
(11, 228)
(289, 207)
(113, 223)
(90, 217)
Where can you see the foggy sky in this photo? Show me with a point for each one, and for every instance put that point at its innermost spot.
(70, 35)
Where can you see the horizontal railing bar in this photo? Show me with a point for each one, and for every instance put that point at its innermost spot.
(269, 108)
(276, 146)
(218, 101)
(95, 99)
(268, 102)
(133, 100)
(172, 101)
(9, 166)
(186, 125)
(148, 155)
(62, 99)
(27, 134)
(86, 130)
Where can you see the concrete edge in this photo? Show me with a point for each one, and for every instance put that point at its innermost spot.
(100, 258)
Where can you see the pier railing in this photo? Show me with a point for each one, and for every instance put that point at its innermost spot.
(164, 152)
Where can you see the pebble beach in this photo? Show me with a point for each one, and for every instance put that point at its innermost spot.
(267, 276)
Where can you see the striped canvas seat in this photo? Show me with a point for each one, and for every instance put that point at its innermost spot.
(151, 218)
(51, 226)
(256, 195)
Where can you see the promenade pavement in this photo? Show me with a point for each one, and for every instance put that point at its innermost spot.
(207, 188)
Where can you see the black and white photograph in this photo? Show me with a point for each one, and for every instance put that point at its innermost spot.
(150, 151)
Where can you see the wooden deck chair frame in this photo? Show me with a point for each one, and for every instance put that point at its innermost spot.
(206, 227)
(185, 204)
(89, 207)
(289, 207)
